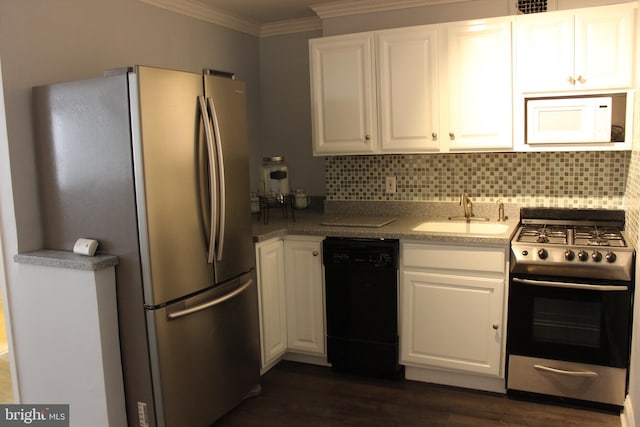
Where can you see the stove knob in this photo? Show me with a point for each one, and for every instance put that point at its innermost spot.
(569, 255)
(543, 254)
(597, 256)
(583, 256)
(610, 257)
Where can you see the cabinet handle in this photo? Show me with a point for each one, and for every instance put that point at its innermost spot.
(582, 79)
(452, 136)
(315, 253)
(434, 136)
(571, 80)
(495, 326)
(367, 138)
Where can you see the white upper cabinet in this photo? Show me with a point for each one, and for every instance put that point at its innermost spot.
(461, 86)
(429, 88)
(584, 49)
(343, 104)
(476, 100)
(408, 89)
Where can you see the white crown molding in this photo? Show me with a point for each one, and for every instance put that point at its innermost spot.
(291, 26)
(356, 7)
(206, 13)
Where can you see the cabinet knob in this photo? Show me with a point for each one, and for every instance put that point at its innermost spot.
(582, 79)
(315, 253)
(367, 137)
(495, 326)
(434, 136)
(452, 136)
(571, 80)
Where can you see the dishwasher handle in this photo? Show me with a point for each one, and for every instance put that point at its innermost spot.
(209, 304)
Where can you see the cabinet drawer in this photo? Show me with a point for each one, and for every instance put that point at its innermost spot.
(451, 257)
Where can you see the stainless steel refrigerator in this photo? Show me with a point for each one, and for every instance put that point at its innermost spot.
(153, 164)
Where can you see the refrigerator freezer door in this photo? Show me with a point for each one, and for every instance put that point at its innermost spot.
(207, 353)
(233, 247)
(166, 141)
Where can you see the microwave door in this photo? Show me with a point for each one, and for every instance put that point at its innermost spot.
(569, 120)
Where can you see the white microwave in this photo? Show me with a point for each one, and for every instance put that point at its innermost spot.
(572, 120)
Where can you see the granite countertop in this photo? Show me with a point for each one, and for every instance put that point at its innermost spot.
(408, 215)
(64, 259)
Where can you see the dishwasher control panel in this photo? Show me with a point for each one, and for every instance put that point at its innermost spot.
(363, 252)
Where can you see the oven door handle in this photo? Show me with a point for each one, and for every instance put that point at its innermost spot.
(565, 372)
(606, 288)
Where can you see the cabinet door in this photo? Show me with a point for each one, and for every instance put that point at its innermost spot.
(271, 294)
(585, 50)
(408, 89)
(452, 322)
(604, 48)
(342, 95)
(544, 52)
(476, 103)
(305, 296)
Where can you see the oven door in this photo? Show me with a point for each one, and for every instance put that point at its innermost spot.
(586, 322)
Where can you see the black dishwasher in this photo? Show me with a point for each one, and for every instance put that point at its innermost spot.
(361, 289)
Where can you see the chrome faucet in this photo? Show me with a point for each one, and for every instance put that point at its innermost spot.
(501, 216)
(466, 204)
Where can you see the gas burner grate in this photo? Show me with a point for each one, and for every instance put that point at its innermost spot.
(595, 236)
(541, 233)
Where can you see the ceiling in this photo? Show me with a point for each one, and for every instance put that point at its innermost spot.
(272, 17)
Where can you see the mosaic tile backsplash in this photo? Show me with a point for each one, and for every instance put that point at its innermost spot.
(593, 179)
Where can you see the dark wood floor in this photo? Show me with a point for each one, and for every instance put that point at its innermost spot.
(295, 394)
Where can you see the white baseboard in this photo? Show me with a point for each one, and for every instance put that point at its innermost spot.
(626, 417)
(306, 358)
(476, 382)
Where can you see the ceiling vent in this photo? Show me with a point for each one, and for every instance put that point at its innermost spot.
(532, 6)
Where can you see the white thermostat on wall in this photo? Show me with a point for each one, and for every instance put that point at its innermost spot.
(85, 247)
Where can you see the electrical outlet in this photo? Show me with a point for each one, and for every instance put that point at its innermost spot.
(391, 184)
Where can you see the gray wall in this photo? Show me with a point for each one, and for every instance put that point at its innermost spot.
(57, 40)
(286, 109)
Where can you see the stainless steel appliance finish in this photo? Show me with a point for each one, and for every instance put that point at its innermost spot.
(573, 247)
(587, 382)
(153, 164)
(570, 305)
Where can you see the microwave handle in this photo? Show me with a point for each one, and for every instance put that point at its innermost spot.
(565, 285)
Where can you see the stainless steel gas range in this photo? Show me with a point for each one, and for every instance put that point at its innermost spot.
(570, 305)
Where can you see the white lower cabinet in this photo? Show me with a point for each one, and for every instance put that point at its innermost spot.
(304, 289)
(291, 297)
(271, 296)
(453, 308)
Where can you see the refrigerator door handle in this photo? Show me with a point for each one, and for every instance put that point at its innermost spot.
(222, 192)
(213, 209)
(212, 303)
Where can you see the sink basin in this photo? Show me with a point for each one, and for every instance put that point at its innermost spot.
(462, 227)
